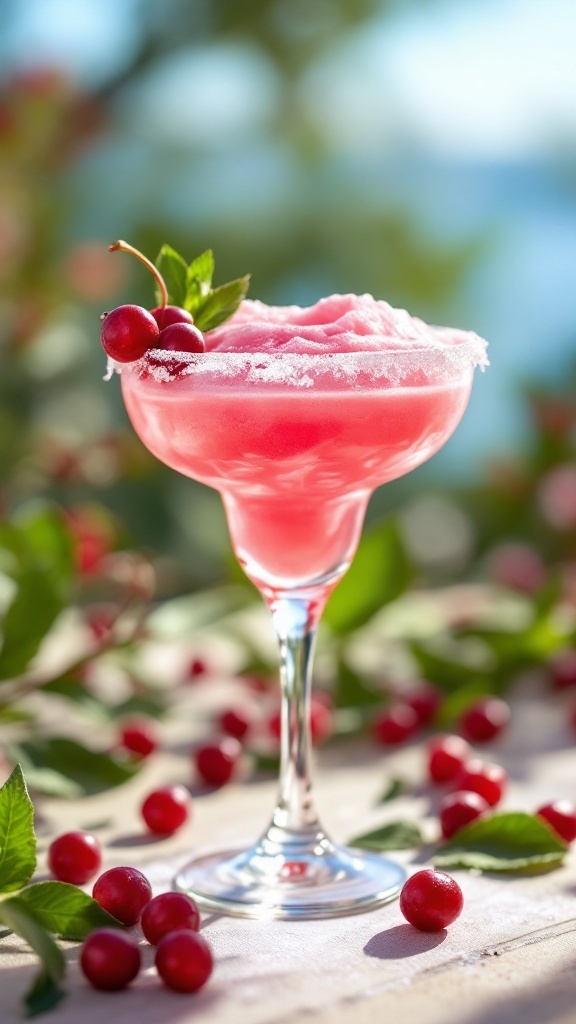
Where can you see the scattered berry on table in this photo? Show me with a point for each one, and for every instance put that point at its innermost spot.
(184, 961)
(431, 900)
(425, 700)
(446, 755)
(489, 780)
(459, 809)
(485, 720)
(216, 761)
(166, 809)
(139, 736)
(235, 722)
(169, 912)
(123, 892)
(181, 338)
(74, 857)
(128, 332)
(395, 725)
(321, 721)
(561, 815)
(166, 315)
(110, 959)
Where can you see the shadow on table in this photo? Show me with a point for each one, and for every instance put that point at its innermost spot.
(402, 941)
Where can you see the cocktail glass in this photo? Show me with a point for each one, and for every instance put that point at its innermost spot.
(296, 444)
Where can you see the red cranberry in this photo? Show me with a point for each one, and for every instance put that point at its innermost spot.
(196, 668)
(128, 332)
(561, 815)
(184, 961)
(395, 725)
(139, 736)
(321, 722)
(446, 755)
(563, 669)
(110, 959)
(74, 857)
(166, 809)
(123, 892)
(235, 722)
(431, 900)
(485, 720)
(215, 762)
(489, 780)
(459, 809)
(169, 912)
(166, 315)
(425, 701)
(181, 338)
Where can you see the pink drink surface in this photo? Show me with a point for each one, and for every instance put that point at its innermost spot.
(296, 444)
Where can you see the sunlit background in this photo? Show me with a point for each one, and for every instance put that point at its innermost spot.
(425, 152)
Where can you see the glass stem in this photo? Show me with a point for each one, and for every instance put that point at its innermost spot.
(295, 620)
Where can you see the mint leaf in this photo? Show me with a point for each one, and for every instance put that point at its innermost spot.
(509, 841)
(45, 992)
(199, 280)
(37, 554)
(397, 835)
(65, 910)
(84, 771)
(220, 304)
(17, 839)
(394, 789)
(174, 271)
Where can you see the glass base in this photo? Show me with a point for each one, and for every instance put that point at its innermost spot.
(291, 876)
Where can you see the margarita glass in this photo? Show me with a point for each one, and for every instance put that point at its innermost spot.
(296, 437)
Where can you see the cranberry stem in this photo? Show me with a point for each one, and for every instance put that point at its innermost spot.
(121, 246)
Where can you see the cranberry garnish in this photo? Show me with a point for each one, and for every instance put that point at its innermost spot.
(110, 959)
(459, 809)
(181, 338)
(184, 961)
(128, 332)
(425, 701)
(215, 762)
(561, 815)
(166, 315)
(139, 736)
(485, 720)
(169, 912)
(395, 725)
(166, 809)
(74, 857)
(431, 900)
(446, 755)
(489, 780)
(123, 892)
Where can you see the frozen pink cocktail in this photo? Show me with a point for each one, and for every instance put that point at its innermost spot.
(295, 416)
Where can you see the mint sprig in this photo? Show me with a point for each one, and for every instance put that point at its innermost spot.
(190, 287)
(39, 911)
(510, 841)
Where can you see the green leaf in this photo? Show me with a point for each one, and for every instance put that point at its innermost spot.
(37, 553)
(46, 991)
(199, 280)
(394, 789)
(509, 841)
(17, 839)
(65, 910)
(349, 689)
(87, 771)
(173, 269)
(452, 673)
(380, 572)
(221, 303)
(396, 835)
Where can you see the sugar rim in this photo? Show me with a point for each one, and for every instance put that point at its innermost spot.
(435, 360)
